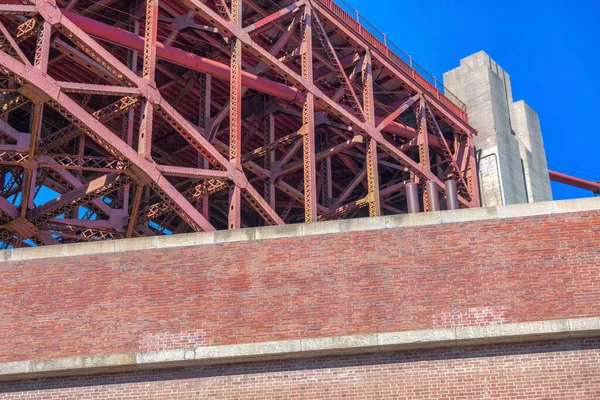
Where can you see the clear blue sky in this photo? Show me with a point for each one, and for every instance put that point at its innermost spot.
(551, 50)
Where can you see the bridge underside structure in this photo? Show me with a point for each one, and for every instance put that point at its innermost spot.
(124, 119)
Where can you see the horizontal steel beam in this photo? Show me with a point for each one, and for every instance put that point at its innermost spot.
(180, 57)
(573, 181)
(195, 173)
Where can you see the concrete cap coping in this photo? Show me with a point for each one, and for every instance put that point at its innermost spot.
(298, 230)
(302, 348)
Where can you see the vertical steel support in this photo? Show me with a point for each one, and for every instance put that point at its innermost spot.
(269, 137)
(326, 186)
(235, 116)
(423, 144)
(433, 196)
(451, 195)
(81, 153)
(371, 160)
(30, 172)
(207, 117)
(203, 122)
(205, 203)
(204, 101)
(129, 119)
(134, 212)
(412, 197)
(308, 121)
(40, 61)
(439, 171)
(148, 73)
(42, 49)
(150, 31)
(471, 175)
(146, 119)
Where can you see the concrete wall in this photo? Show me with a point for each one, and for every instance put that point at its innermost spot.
(509, 133)
(371, 295)
(526, 126)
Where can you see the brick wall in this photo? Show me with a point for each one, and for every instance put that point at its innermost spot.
(542, 370)
(471, 273)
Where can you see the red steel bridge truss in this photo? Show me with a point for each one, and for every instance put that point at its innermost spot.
(124, 118)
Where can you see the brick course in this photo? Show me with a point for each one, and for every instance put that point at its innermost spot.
(472, 273)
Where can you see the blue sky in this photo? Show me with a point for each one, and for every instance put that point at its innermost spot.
(550, 49)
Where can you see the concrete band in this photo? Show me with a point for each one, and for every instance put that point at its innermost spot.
(297, 230)
(289, 349)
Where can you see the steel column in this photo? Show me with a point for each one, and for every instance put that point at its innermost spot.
(594, 187)
(40, 61)
(412, 197)
(371, 158)
(137, 198)
(423, 145)
(235, 116)
(433, 196)
(451, 195)
(327, 184)
(269, 159)
(308, 121)
(204, 118)
(148, 73)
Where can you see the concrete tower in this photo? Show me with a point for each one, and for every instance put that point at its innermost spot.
(511, 157)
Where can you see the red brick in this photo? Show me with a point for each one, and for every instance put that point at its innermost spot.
(476, 273)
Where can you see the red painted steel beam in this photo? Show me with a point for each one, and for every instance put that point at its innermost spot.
(196, 173)
(7, 210)
(180, 57)
(207, 66)
(292, 8)
(87, 223)
(594, 187)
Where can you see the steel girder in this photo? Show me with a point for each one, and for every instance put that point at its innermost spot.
(594, 187)
(236, 106)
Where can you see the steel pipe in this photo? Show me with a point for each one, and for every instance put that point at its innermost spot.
(433, 196)
(412, 198)
(451, 195)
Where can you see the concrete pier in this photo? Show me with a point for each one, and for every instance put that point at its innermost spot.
(511, 157)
